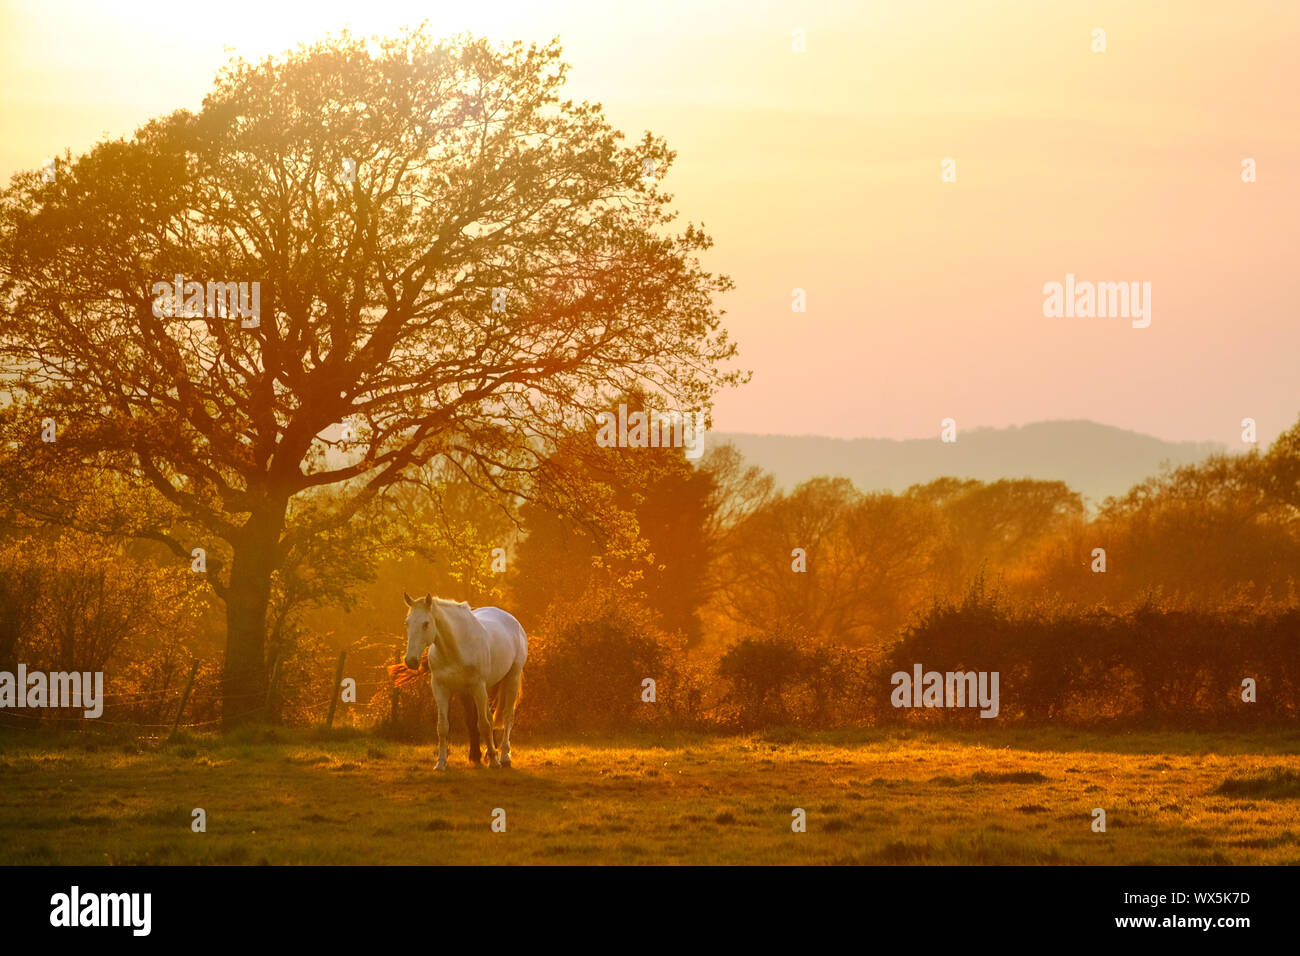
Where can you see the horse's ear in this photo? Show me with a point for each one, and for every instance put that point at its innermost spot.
(428, 602)
(409, 602)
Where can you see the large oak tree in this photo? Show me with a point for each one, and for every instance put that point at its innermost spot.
(450, 256)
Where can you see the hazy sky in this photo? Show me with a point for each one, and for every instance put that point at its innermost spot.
(821, 170)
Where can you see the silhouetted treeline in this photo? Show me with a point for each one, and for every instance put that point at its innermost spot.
(661, 591)
(1147, 666)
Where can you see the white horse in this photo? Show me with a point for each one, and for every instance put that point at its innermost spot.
(469, 651)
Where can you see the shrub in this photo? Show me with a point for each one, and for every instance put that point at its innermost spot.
(587, 664)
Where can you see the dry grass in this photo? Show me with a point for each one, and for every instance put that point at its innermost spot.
(896, 797)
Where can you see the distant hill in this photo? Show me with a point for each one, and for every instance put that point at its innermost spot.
(1095, 460)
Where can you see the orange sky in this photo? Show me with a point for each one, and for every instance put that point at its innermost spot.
(821, 170)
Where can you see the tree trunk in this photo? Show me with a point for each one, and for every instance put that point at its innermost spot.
(244, 680)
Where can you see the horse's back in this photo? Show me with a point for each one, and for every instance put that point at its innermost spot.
(507, 641)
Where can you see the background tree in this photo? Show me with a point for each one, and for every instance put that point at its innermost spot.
(1279, 472)
(436, 535)
(472, 176)
(633, 519)
(868, 560)
(993, 527)
(1210, 534)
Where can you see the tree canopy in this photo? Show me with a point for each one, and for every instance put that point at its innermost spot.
(452, 264)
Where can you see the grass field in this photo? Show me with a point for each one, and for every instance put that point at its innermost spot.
(887, 797)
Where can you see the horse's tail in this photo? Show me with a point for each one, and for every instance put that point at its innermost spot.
(494, 695)
(494, 692)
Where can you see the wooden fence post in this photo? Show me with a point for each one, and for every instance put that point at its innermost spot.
(271, 690)
(393, 698)
(185, 697)
(334, 691)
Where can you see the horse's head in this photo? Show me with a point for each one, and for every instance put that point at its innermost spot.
(421, 628)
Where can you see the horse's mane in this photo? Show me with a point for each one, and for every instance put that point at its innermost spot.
(448, 602)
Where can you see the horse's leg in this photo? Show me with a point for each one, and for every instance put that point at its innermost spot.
(485, 722)
(471, 723)
(509, 694)
(443, 697)
(494, 701)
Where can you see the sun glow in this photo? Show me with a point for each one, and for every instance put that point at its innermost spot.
(820, 171)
